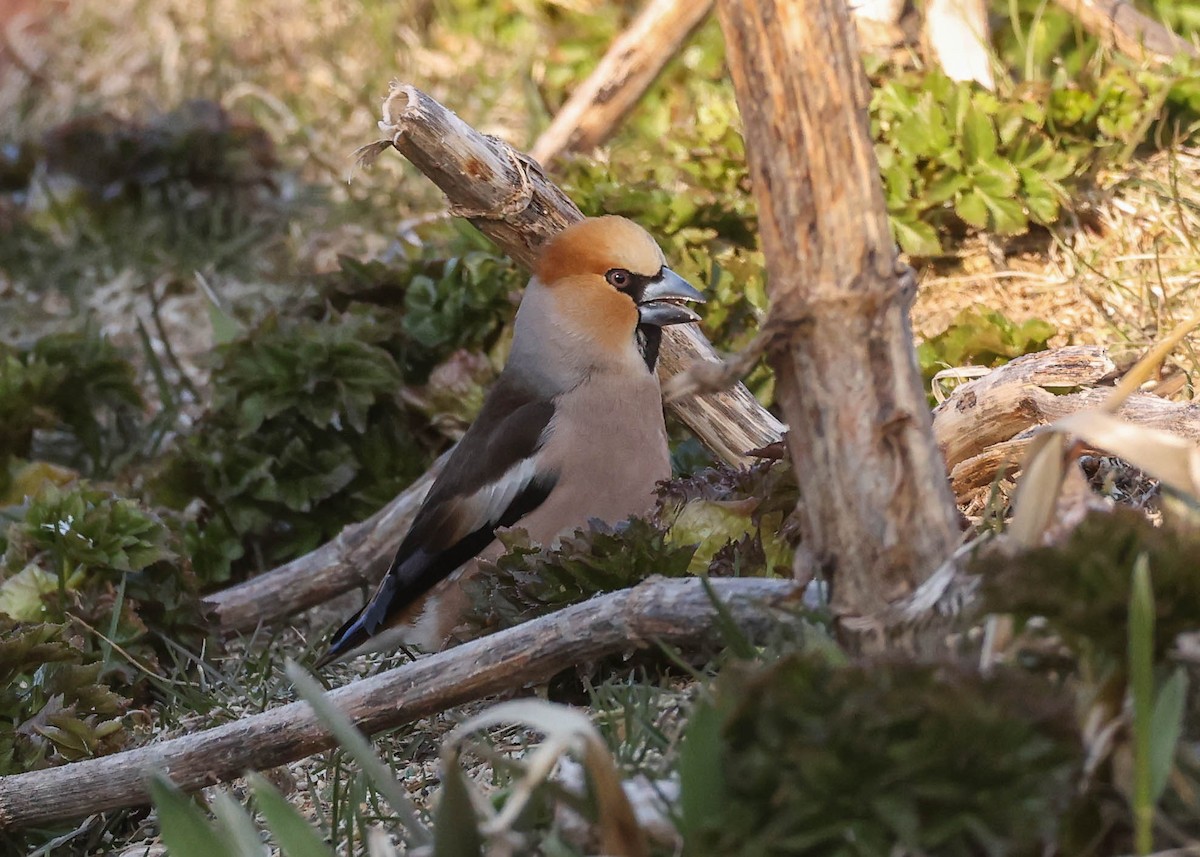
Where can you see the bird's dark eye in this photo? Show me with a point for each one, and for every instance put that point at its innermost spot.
(618, 278)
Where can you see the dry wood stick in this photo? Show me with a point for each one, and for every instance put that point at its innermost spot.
(877, 511)
(678, 612)
(510, 200)
(597, 106)
(1118, 22)
(1004, 402)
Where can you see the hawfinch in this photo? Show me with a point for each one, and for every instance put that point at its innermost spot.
(572, 430)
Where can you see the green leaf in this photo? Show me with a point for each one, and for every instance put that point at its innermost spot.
(701, 776)
(979, 136)
(225, 328)
(916, 237)
(456, 827)
(1166, 725)
(235, 826)
(995, 176)
(185, 829)
(293, 833)
(973, 209)
(1007, 215)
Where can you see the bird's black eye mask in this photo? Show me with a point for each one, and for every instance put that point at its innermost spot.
(630, 283)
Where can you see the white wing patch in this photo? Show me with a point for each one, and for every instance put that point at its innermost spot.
(487, 504)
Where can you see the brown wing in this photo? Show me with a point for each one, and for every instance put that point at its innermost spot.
(492, 479)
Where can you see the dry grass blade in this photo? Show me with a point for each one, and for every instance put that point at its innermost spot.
(1168, 458)
(566, 730)
(1141, 371)
(1037, 492)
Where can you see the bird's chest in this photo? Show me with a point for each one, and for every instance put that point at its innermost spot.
(609, 447)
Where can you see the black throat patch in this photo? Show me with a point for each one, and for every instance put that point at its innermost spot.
(649, 336)
(649, 340)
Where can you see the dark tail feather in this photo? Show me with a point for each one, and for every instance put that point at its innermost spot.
(348, 637)
(364, 624)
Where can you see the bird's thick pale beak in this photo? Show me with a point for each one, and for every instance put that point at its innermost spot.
(660, 304)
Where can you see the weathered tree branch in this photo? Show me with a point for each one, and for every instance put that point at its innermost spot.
(986, 424)
(1119, 23)
(510, 200)
(597, 106)
(960, 39)
(1009, 399)
(678, 612)
(877, 512)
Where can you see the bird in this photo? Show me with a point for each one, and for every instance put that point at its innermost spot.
(571, 430)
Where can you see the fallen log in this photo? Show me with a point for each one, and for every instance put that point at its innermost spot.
(508, 197)
(633, 62)
(677, 612)
(986, 424)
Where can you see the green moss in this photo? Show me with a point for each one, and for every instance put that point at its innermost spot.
(1082, 587)
(806, 757)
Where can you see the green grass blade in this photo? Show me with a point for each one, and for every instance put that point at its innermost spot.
(737, 641)
(1141, 679)
(701, 779)
(456, 828)
(294, 835)
(356, 745)
(185, 828)
(236, 827)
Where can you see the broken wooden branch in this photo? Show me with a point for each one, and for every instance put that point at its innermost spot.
(877, 512)
(986, 424)
(1120, 24)
(960, 39)
(1006, 401)
(510, 200)
(677, 612)
(597, 106)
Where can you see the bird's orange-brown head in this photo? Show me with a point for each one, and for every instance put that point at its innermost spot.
(606, 277)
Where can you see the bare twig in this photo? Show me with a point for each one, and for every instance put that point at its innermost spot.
(679, 612)
(597, 106)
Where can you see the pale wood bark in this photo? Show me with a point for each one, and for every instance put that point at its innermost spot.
(597, 106)
(876, 510)
(509, 198)
(1120, 24)
(1011, 398)
(678, 612)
